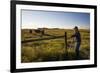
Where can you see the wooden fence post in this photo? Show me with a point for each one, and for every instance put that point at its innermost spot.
(66, 51)
(65, 40)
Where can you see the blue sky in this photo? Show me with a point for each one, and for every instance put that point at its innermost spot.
(52, 19)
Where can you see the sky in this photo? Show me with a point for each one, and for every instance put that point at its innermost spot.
(32, 19)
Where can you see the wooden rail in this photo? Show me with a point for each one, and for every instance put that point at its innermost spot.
(52, 37)
(32, 40)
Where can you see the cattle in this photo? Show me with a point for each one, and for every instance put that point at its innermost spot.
(37, 31)
(41, 31)
(30, 31)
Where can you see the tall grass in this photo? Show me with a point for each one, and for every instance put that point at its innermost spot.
(54, 49)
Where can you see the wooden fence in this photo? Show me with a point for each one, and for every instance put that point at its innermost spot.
(52, 37)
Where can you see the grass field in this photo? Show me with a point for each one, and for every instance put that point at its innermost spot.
(53, 49)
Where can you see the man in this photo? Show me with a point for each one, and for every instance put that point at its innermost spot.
(77, 37)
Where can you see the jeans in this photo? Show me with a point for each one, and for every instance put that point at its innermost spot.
(77, 50)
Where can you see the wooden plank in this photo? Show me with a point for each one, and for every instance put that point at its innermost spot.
(25, 41)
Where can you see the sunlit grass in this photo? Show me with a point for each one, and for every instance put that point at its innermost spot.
(53, 50)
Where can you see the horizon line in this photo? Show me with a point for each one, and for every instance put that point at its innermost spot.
(55, 28)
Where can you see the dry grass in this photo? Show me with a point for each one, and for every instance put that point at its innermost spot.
(54, 49)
